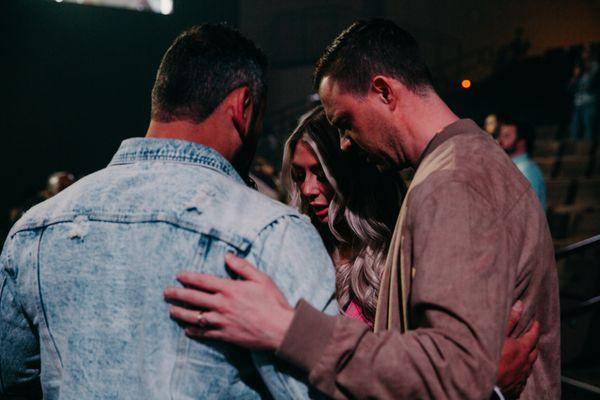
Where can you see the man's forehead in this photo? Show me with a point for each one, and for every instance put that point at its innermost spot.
(331, 96)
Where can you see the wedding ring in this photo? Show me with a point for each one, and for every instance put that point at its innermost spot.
(201, 320)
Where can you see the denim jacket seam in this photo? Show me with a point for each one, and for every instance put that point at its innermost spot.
(40, 301)
(200, 161)
(240, 242)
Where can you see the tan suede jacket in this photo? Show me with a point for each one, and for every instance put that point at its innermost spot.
(471, 240)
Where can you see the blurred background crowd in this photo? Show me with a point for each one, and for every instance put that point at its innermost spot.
(76, 79)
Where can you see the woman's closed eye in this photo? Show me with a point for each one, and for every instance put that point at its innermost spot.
(319, 173)
(297, 175)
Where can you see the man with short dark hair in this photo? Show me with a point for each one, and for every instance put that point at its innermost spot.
(468, 243)
(81, 305)
(517, 139)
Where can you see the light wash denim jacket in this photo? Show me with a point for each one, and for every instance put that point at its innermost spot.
(83, 274)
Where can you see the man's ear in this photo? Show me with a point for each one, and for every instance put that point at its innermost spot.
(382, 87)
(241, 110)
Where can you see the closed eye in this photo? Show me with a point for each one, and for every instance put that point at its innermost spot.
(343, 123)
(319, 173)
(297, 175)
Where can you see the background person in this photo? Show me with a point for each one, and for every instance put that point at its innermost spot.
(518, 140)
(491, 125)
(585, 85)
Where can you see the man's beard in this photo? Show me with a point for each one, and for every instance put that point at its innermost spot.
(242, 160)
(511, 149)
(381, 160)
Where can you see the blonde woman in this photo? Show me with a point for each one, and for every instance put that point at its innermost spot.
(352, 205)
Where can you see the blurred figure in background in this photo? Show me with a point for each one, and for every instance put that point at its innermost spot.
(490, 125)
(517, 139)
(265, 177)
(584, 85)
(57, 182)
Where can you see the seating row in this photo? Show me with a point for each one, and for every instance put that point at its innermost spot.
(582, 192)
(566, 147)
(569, 166)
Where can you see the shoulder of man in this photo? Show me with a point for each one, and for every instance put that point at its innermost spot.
(193, 198)
(477, 162)
(250, 212)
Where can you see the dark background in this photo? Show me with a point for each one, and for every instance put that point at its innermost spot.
(76, 80)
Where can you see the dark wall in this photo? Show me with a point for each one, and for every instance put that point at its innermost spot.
(76, 80)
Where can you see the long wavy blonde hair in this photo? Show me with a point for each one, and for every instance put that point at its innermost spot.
(362, 213)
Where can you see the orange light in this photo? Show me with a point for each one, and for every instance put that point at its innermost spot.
(465, 83)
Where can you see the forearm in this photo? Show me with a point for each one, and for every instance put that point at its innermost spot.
(344, 359)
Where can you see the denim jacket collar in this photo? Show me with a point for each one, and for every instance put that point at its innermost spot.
(159, 149)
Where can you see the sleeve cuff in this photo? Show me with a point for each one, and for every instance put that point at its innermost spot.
(307, 337)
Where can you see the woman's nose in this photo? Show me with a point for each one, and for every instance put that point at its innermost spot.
(309, 187)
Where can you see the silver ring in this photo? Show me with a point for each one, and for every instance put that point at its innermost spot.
(201, 320)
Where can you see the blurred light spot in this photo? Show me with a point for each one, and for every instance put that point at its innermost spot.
(166, 7)
(465, 84)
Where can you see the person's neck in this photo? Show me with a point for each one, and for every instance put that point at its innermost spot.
(426, 117)
(518, 153)
(209, 133)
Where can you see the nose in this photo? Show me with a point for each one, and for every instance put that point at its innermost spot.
(309, 187)
(345, 143)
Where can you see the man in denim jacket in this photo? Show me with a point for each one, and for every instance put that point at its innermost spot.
(81, 306)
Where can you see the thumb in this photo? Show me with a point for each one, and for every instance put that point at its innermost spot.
(242, 267)
(515, 315)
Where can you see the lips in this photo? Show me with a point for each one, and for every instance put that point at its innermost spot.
(320, 211)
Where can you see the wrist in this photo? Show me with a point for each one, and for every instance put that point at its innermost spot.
(307, 337)
(284, 321)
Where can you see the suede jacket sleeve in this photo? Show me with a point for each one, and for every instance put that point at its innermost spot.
(458, 302)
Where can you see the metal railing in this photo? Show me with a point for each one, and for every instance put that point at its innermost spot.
(580, 308)
(578, 247)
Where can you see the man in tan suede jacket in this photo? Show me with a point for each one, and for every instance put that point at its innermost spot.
(471, 239)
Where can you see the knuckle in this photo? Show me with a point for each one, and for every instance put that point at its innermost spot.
(220, 298)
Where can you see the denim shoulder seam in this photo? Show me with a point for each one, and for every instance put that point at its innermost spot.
(212, 165)
(277, 218)
(169, 217)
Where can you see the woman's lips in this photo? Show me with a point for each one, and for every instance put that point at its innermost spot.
(321, 212)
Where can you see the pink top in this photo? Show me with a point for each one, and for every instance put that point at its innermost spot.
(354, 311)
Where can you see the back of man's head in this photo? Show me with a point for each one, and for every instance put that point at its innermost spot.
(369, 48)
(203, 65)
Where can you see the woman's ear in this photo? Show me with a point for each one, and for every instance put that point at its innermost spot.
(383, 89)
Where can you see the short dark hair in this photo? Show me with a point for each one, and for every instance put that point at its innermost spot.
(368, 48)
(203, 65)
(525, 131)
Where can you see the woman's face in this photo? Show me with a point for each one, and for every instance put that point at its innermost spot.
(314, 187)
